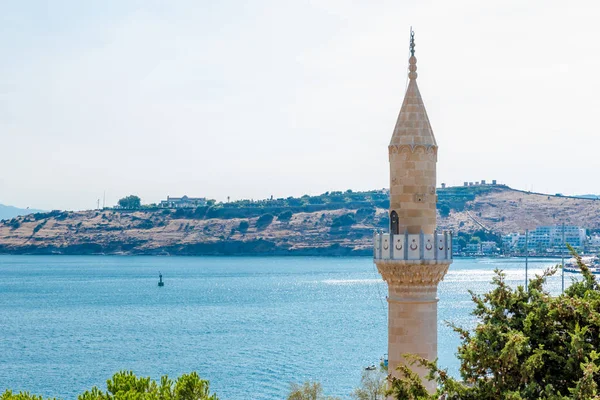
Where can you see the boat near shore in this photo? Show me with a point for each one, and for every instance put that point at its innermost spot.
(592, 262)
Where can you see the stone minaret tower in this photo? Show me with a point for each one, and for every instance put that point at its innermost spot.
(413, 257)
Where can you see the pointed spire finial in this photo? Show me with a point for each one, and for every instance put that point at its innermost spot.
(412, 61)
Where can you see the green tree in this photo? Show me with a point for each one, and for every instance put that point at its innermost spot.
(475, 240)
(527, 345)
(295, 202)
(243, 227)
(308, 391)
(125, 385)
(444, 209)
(461, 241)
(264, 220)
(372, 386)
(130, 202)
(285, 216)
(9, 395)
(343, 220)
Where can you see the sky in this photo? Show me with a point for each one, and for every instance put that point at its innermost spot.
(248, 99)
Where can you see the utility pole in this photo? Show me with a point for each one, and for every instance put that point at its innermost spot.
(562, 252)
(526, 256)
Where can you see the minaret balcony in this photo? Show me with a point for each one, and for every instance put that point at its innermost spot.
(408, 247)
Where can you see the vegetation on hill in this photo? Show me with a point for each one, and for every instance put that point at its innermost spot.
(333, 223)
(130, 202)
(527, 344)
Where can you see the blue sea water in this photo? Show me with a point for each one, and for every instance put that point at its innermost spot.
(248, 324)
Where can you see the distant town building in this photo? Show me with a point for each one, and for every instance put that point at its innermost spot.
(473, 248)
(489, 247)
(482, 183)
(443, 186)
(456, 249)
(183, 202)
(547, 239)
(593, 244)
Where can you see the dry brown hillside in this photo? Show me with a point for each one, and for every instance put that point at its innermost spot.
(509, 210)
(343, 228)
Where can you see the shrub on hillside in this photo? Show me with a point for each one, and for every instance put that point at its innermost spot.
(343, 220)
(444, 209)
(38, 227)
(316, 200)
(50, 214)
(264, 220)
(285, 216)
(295, 202)
(365, 213)
(243, 227)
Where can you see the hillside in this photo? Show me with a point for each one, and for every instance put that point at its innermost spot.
(331, 224)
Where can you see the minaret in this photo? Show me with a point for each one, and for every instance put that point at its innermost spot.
(413, 257)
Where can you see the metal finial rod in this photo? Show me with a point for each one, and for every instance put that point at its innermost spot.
(412, 42)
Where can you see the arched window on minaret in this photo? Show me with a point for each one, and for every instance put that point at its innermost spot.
(394, 229)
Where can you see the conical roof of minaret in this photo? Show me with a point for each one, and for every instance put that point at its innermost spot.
(413, 127)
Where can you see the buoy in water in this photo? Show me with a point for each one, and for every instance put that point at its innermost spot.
(160, 281)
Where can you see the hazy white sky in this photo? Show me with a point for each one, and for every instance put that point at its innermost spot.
(256, 98)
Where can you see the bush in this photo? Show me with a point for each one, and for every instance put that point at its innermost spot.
(373, 385)
(365, 213)
(343, 220)
(125, 385)
(316, 200)
(181, 213)
(285, 216)
(145, 224)
(444, 209)
(308, 391)
(243, 227)
(38, 227)
(264, 220)
(295, 202)
(9, 395)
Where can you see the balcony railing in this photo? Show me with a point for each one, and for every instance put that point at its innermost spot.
(405, 246)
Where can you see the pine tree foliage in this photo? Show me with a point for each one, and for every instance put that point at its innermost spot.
(125, 385)
(527, 344)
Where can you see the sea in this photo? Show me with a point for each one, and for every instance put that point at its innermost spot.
(250, 325)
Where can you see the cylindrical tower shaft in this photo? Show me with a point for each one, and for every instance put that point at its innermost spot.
(413, 258)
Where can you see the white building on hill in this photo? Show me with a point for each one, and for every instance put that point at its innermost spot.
(183, 202)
